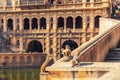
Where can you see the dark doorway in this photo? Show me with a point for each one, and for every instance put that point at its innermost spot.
(73, 45)
(61, 22)
(69, 23)
(43, 23)
(78, 23)
(26, 24)
(118, 46)
(35, 46)
(34, 23)
(10, 24)
(51, 1)
(96, 22)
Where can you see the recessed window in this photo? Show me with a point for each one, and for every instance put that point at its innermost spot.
(9, 3)
(87, 0)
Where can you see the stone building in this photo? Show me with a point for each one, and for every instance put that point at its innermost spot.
(46, 26)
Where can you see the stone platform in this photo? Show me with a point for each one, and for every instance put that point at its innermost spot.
(84, 71)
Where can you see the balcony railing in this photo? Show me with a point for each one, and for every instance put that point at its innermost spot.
(28, 2)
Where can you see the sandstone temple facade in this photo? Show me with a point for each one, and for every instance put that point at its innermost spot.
(46, 26)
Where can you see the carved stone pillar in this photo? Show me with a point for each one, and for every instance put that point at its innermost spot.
(83, 3)
(4, 23)
(84, 20)
(48, 22)
(33, 58)
(21, 44)
(4, 4)
(74, 23)
(65, 27)
(54, 46)
(84, 26)
(13, 4)
(54, 36)
(47, 41)
(14, 23)
(38, 24)
(18, 2)
(54, 22)
(21, 23)
(92, 3)
(92, 19)
(30, 21)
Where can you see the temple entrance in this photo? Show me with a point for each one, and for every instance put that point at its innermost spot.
(35, 46)
(73, 45)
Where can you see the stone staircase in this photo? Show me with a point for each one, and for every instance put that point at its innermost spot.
(113, 55)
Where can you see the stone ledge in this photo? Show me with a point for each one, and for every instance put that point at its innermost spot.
(84, 66)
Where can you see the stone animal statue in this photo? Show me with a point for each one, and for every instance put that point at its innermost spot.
(49, 61)
(66, 51)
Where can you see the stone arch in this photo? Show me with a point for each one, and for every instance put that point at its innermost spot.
(29, 60)
(43, 23)
(36, 59)
(34, 23)
(60, 23)
(96, 21)
(22, 60)
(10, 24)
(69, 22)
(73, 45)
(26, 23)
(14, 60)
(34, 46)
(78, 22)
(6, 59)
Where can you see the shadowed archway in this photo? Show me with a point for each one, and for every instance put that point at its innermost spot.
(60, 23)
(73, 45)
(69, 23)
(26, 24)
(34, 46)
(97, 22)
(10, 24)
(78, 23)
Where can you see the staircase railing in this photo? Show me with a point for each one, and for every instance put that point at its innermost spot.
(97, 48)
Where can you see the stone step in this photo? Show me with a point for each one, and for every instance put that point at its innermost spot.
(115, 50)
(113, 55)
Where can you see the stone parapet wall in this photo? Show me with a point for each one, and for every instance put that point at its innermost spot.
(106, 23)
(112, 75)
(17, 60)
